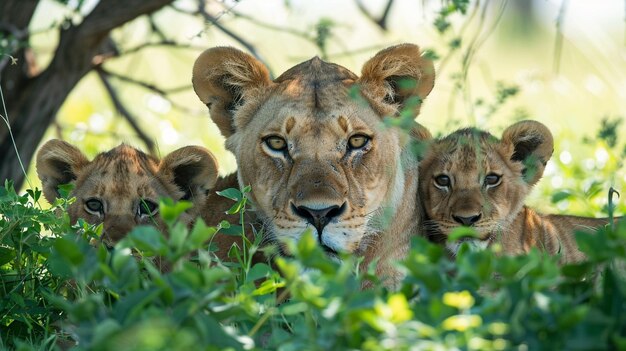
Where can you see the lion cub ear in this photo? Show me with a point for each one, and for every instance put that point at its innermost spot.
(58, 162)
(396, 74)
(223, 78)
(192, 168)
(530, 143)
(420, 133)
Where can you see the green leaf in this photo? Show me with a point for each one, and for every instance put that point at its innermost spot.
(6, 255)
(560, 196)
(232, 230)
(258, 271)
(237, 207)
(201, 233)
(170, 210)
(65, 190)
(148, 239)
(69, 250)
(268, 287)
(462, 232)
(231, 193)
(178, 234)
(576, 270)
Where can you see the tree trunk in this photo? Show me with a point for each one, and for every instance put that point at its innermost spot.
(33, 102)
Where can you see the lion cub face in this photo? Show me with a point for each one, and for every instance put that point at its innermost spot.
(470, 178)
(121, 188)
(312, 147)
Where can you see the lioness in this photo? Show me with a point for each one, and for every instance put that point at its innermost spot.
(470, 178)
(312, 145)
(121, 187)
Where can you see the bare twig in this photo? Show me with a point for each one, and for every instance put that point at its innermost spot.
(297, 33)
(155, 29)
(382, 20)
(145, 85)
(119, 106)
(160, 91)
(214, 20)
(443, 63)
(169, 43)
(558, 42)
(479, 38)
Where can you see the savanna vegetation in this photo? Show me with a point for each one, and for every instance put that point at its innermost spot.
(497, 62)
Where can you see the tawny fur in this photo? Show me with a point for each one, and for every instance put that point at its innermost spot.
(313, 107)
(121, 178)
(469, 155)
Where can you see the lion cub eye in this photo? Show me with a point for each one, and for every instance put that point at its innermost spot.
(442, 181)
(492, 180)
(148, 208)
(275, 143)
(358, 141)
(94, 206)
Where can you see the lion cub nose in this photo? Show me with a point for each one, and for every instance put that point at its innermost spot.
(468, 221)
(319, 218)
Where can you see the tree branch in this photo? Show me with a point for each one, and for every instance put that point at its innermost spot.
(382, 20)
(145, 85)
(558, 42)
(215, 21)
(119, 106)
(167, 43)
(162, 92)
(36, 101)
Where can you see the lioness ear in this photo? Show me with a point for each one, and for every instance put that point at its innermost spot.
(58, 163)
(223, 78)
(193, 169)
(396, 74)
(530, 143)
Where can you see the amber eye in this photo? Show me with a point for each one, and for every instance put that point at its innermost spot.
(275, 143)
(442, 181)
(94, 206)
(148, 208)
(358, 141)
(492, 180)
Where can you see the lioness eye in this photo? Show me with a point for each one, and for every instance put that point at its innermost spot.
(94, 206)
(358, 141)
(442, 180)
(492, 179)
(275, 143)
(148, 208)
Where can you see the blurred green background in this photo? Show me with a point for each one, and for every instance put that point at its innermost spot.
(559, 62)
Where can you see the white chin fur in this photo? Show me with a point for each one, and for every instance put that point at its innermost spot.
(333, 238)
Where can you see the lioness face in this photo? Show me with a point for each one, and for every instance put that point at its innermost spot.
(470, 178)
(121, 188)
(312, 147)
(323, 162)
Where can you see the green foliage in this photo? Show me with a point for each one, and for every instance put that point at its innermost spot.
(442, 21)
(156, 292)
(608, 131)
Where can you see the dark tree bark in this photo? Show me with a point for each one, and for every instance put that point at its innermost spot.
(33, 101)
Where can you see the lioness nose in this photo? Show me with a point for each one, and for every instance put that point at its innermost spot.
(468, 221)
(319, 218)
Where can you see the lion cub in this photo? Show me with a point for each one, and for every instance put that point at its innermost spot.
(471, 178)
(121, 187)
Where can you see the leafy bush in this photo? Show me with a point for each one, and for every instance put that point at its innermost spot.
(61, 290)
